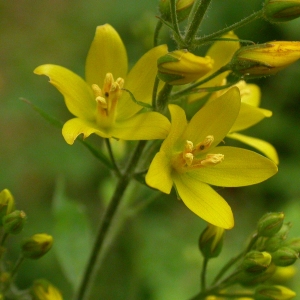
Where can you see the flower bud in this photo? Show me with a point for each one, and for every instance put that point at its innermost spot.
(270, 224)
(211, 241)
(14, 222)
(251, 279)
(273, 292)
(182, 67)
(284, 256)
(281, 10)
(44, 290)
(7, 203)
(293, 244)
(256, 262)
(276, 241)
(264, 59)
(183, 9)
(37, 245)
(283, 274)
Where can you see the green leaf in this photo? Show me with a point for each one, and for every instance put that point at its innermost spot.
(72, 235)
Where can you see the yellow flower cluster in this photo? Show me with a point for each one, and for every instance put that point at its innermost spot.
(191, 157)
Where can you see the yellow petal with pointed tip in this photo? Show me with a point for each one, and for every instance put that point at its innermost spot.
(201, 199)
(159, 173)
(78, 95)
(240, 168)
(107, 54)
(216, 118)
(140, 82)
(74, 127)
(264, 147)
(178, 126)
(248, 116)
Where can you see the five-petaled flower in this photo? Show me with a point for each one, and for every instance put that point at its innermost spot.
(189, 159)
(99, 104)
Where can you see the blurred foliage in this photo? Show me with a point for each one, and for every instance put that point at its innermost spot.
(159, 245)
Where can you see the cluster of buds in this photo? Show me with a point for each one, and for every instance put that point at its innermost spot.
(12, 222)
(263, 263)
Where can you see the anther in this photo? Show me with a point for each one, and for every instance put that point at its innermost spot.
(212, 159)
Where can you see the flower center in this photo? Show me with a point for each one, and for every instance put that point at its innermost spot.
(187, 160)
(107, 99)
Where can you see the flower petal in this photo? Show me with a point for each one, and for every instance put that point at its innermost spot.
(253, 95)
(216, 118)
(202, 200)
(159, 173)
(139, 82)
(264, 147)
(143, 126)
(240, 168)
(107, 54)
(78, 96)
(178, 125)
(248, 116)
(74, 127)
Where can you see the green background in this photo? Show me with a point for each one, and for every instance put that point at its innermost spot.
(156, 255)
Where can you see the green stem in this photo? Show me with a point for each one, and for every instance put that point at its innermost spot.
(112, 158)
(249, 19)
(163, 96)
(193, 86)
(175, 25)
(156, 32)
(235, 259)
(4, 237)
(123, 183)
(196, 21)
(203, 274)
(154, 93)
(17, 266)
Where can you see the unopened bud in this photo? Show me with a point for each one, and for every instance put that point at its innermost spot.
(211, 241)
(44, 290)
(256, 262)
(276, 241)
(251, 279)
(264, 59)
(284, 256)
(281, 10)
(182, 67)
(14, 222)
(183, 8)
(283, 274)
(270, 224)
(7, 203)
(293, 244)
(273, 292)
(37, 245)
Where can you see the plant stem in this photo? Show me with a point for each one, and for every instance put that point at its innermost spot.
(249, 19)
(163, 96)
(106, 222)
(203, 274)
(112, 158)
(156, 32)
(196, 21)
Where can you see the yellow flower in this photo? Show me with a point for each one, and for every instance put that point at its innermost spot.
(189, 159)
(109, 111)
